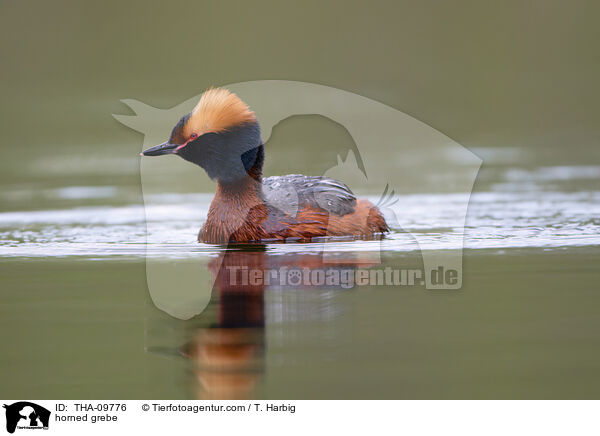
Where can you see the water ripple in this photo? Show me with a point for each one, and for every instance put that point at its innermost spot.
(494, 220)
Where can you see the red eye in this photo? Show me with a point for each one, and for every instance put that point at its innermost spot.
(193, 136)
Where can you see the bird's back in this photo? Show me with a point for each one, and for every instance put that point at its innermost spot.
(294, 192)
(311, 206)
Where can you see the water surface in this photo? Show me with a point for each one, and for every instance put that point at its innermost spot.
(77, 314)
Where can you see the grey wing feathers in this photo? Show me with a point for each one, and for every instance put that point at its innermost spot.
(295, 191)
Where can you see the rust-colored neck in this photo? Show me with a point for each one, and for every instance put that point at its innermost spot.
(235, 213)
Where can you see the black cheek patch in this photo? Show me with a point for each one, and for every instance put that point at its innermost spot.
(226, 156)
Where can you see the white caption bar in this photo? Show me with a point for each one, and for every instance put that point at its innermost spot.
(303, 417)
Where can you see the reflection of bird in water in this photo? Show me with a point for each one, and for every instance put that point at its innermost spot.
(222, 135)
(228, 362)
(229, 356)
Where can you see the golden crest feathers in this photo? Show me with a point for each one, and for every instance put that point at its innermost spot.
(218, 109)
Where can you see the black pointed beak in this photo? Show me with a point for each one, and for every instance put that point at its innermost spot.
(160, 149)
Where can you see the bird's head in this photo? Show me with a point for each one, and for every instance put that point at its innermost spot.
(221, 134)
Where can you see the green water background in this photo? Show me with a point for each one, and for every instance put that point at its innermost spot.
(515, 75)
